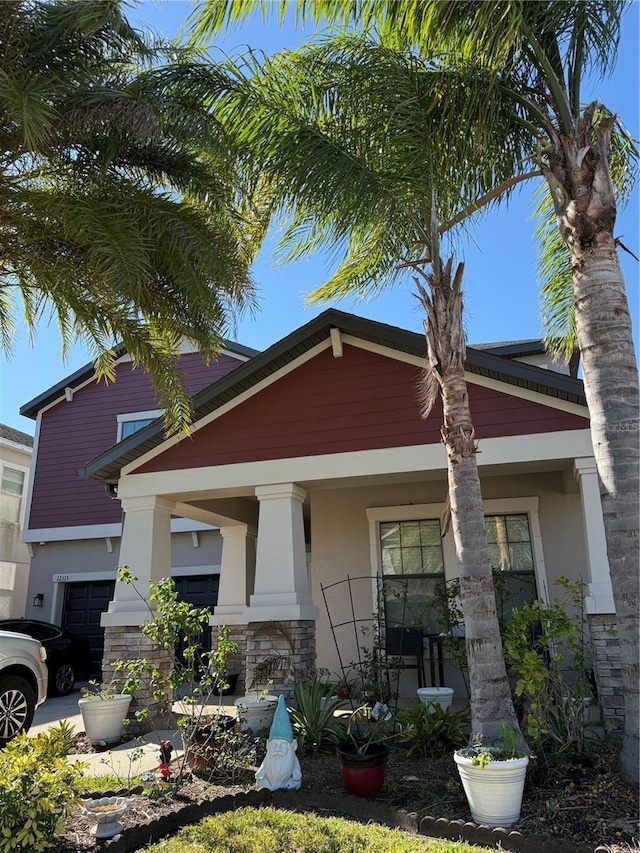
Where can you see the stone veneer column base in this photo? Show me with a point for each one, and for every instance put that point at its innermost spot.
(129, 643)
(236, 662)
(607, 667)
(293, 640)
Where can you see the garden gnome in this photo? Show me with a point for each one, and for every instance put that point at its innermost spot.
(280, 768)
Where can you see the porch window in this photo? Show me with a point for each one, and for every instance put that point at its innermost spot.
(511, 554)
(11, 491)
(412, 572)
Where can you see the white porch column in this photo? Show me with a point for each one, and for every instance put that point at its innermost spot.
(281, 588)
(237, 571)
(146, 549)
(600, 598)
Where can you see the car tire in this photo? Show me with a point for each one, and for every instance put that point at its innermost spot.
(17, 707)
(62, 679)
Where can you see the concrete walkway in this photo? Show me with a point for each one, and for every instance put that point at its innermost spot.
(126, 760)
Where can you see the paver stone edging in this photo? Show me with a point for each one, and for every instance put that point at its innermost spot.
(134, 838)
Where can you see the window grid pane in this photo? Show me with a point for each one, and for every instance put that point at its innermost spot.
(411, 547)
(509, 542)
(129, 427)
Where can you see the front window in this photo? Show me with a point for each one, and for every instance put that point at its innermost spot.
(412, 572)
(511, 555)
(11, 490)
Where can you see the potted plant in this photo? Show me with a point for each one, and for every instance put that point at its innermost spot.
(104, 709)
(363, 754)
(205, 738)
(493, 777)
(195, 676)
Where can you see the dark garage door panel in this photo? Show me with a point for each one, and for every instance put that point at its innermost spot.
(201, 591)
(84, 605)
(86, 601)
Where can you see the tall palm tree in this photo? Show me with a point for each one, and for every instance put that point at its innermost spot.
(338, 152)
(117, 193)
(524, 62)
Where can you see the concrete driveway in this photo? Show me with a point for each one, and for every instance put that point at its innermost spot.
(126, 760)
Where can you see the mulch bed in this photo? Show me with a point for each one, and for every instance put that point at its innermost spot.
(570, 804)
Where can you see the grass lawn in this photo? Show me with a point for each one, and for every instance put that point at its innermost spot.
(266, 830)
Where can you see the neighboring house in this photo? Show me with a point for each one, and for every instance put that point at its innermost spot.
(313, 462)
(16, 448)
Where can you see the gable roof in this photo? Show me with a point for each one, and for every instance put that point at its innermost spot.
(15, 435)
(106, 467)
(86, 372)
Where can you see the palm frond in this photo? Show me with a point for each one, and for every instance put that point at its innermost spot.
(123, 211)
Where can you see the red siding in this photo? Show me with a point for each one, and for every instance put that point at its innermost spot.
(71, 434)
(361, 401)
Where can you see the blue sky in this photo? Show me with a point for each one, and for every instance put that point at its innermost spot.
(501, 292)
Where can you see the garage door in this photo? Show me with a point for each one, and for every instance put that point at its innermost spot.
(85, 602)
(83, 606)
(201, 591)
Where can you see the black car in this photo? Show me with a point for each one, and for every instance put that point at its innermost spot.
(68, 655)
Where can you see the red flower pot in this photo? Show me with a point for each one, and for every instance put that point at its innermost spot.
(363, 774)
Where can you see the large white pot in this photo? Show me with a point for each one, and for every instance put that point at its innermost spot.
(255, 713)
(431, 696)
(103, 718)
(494, 792)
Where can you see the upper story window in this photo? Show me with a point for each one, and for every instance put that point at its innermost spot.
(11, 490)
(134, 421)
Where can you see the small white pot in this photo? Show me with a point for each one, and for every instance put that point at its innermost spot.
(431, 696)
(103, 718)
(494, 792)
(255, 713)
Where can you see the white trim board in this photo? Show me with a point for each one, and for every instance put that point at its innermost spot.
(104, 531)
(362, 463)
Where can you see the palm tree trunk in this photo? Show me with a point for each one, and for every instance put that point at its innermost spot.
(586, 210)
(490, 693)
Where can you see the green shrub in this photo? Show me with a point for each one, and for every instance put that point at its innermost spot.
(432, 730)
(313, 721)
(552, 673)
(38, 788)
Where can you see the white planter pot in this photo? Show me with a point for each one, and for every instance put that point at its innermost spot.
(431, 696)
(326, 701)
(255, 713)
(103, 718)
(494, 792)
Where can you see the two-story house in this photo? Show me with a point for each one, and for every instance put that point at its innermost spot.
(73, 525)
(309, 483)
(16, 448)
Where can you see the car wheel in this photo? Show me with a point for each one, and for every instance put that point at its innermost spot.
(64, 677)
(17, 707)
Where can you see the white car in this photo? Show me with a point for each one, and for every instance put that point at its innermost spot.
(23, 682)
